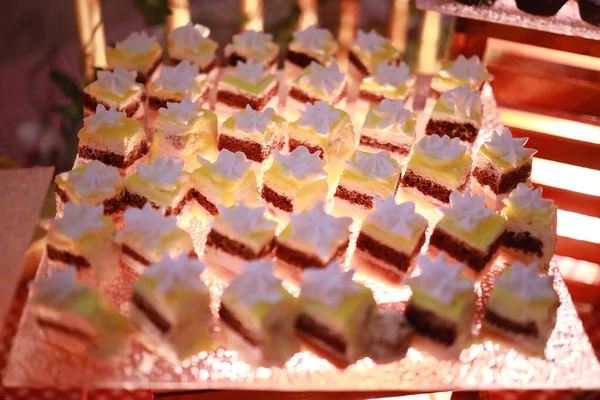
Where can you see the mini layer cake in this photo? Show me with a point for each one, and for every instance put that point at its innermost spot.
(313, 239)
(184, 131)
(390, 238)
(253, 45)
(392, 81)
(93, 183)
(77, 318)
(457, 114)
(462, 71)
(254, 133)
(310, 45)
(247, 84)
(228, 181)
(335, 315)
(113, 139)
(442, 304)
(499, 166)
(316, 83)
(468, 231)
(367, 51)
(326, 129)
(176, 83)
(148, 235)
(437, 166)
(522, 306)
(115, 89)
(191, 42)
(138, 52)
(84, 237)
(531, 225)
(388, 126)
(295, 181)
(258, 316)
(171, 306)
(237, 235)
(366, 177)
(160, 183)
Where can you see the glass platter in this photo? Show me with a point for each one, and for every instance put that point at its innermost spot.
(566, 22)
(569, 361)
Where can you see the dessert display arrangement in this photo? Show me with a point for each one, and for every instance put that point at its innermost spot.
(236, 226)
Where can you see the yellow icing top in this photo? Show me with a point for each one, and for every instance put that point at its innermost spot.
(449, 173)
(370, 60)
(133, 61)
(398, 242)
(253, 88)
(110, 98)
(194, 91)
(486, 232)
(452, 312)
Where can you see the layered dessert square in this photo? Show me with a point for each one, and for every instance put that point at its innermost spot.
(77, 318)
(258, 315)
(468, 231)
(457, 114)
(438, 166)
(313, 239)
(499, 166)
(138, 52)
(368, 50)
(84, 237)
(295, 181)
(256, 134)
(530, 225)
(148, 235)
(191, 42)
(335, 314)
(248, 83)
(442, 304)
(237, 235)
(160, 183)
(522, 306)
(390, 81)
(367, 176)
(316, 83)
(93, 183)
(116, 89)
(307, 46)
(252, 45)
(388, 126)
(171, 306)
(183, 131)
(228, 181)
(463, 71)
(112, 138)
(389, 239)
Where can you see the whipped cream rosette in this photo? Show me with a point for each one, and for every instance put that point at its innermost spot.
(462, 71)
(138, 52)
(191, 42)
(388, 126)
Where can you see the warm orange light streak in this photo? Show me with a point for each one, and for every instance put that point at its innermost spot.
(308, 13)
(578, 226)
(429, 42)
(99, 41)
(252, 14)
(565, 176)
(399, 23)
(348, 26)
(579, 270)
(180, 14)
(429, 396)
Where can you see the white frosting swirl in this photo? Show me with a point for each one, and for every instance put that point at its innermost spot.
(104, 117)
(96, 178)
(469, 69)
(252, 40)
(370, 42)
(528, 201)
(248, 71)
(177, 274)
(80, 219)
(392, 74)
(256, 284)
(118, 81)
(252, 121)
(302, 164)
(190, 36)
(245, 220)
(328, 79)
(58, 289)
(396, 219)
(163, 173)
(319, 116)
(318, 229)
(509, 149)
(526, 283)
(231, 166)
(373, 165)
(441, 280)
(441, 147)
(466, 211)
(179, 115)
(147, 225)
(178, 78)
(465, 102)
(392, 113)
(136, 43)
(329, 285)
(312, 39)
